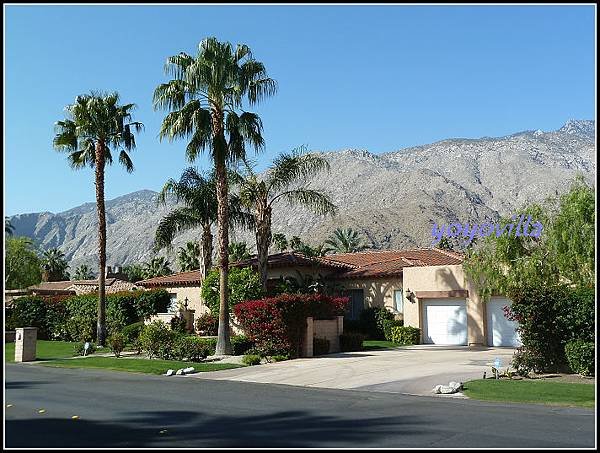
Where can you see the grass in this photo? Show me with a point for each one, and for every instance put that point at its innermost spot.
(373, 345)
(536, 391)
(150, 366)
(45, 350)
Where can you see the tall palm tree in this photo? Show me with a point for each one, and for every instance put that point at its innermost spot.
(96, 126)
(280, 242)
(83, 272)
(157, 267)
(344, 240)
(8, 227)
(187, 256)
(205, 98)
(54, 265)
(238, 251)
(286, 180)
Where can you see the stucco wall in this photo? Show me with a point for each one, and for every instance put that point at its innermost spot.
(194, 299)
(444, 278)
(379, 292)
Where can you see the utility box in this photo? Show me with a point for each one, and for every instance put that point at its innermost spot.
(25, 344)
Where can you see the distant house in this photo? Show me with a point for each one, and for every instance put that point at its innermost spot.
(426, 287)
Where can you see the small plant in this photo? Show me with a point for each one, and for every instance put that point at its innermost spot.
(251, 359)
(278, 358)
(116, 343)
(241, 344)
(156, 339)
(80, 348)
(351, 342)
(320, 346)
(406, 335)
(178, 324)
(581, 356)
(207, 324)
(388, 324)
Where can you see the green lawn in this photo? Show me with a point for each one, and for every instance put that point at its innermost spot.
(373, 345)
(527, 391)
(151, 366)
(45, 350)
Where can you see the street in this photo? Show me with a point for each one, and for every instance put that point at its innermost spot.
(116, 409)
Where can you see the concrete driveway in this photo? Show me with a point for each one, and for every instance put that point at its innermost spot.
(412, 369)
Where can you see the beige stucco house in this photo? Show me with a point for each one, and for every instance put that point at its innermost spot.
(426, 287)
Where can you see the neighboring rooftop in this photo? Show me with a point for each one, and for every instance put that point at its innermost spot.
(113, 285)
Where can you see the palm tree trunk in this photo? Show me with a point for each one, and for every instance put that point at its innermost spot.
(206, 253)
(99, 170)
(223, 340)
(263, 240)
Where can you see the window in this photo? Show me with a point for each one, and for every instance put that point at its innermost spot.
(398, 300)
(172, 308)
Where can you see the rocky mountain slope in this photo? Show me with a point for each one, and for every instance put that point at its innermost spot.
(392, 199)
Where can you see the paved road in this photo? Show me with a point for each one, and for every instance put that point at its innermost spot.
(132, 410)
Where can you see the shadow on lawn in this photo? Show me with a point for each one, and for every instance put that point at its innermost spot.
(191, 429)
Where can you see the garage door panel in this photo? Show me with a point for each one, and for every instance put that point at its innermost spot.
(500, 330)
(445, 322)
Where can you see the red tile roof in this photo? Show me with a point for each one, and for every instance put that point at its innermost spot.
(189, 278)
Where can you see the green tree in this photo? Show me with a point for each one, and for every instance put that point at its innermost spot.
(344, 240)
(83, 272)
(22, 263)
(157, 267)
(296, 243)
(95, 127)
(134, 272)
(285, 180)
(205, 98)
(238, 251)
(280, 242)
(54, 265)
(9, 229)
(563, 251)
(188, 256)
(244, 284)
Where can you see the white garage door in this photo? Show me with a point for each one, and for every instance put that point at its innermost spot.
(445, 321)
(500, 331)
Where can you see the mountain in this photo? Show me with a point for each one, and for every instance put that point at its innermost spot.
(392, 199)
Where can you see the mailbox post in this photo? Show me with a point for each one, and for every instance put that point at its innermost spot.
(25, 343)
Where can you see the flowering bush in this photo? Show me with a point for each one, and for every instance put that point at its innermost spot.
(276, 325)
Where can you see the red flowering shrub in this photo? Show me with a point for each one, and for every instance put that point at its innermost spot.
(277, 324)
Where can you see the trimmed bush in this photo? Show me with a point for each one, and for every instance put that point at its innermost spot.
(241, 344)
(388, 324)
(29, 311)
(320, 346)
(116, 343)
(131, 332)
(207, 324)
(581, 356)
(190, 347)
(251, 359)
(406, 335)
(276, 325)
(156, 339)
(351, 342)
(79, 349)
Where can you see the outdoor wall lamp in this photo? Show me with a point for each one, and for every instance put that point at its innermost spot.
(410, 296)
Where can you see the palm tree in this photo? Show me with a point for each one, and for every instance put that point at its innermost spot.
(285, 180)
(205, 97)
(280, 242)
(238, 251)
(157, 267)
(54, 265)
(187, 256)
(83, 272)
(95, 127)
(8, 227)
(344, 240)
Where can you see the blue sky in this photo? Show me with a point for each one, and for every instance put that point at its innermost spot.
(378, 78)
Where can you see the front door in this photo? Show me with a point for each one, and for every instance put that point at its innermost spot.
(356, 304)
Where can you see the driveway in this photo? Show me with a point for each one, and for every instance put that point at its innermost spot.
(412, 369)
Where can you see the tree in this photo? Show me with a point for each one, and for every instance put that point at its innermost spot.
(205, 98)
(22, 263)
(54, 265)
(187, 257)
(244, 284)
(280, 242)
(344, 240)
(83, 272)
(95, 127)
(157, 267)
(134, 272)
(285, 180)
(564, 251)
(9, 228)
(238, 251)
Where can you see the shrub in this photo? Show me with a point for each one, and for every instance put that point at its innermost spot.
(243, 284)
(353, 325)
(79, 348)
(406, 335)
(241, 344)
(131, 332)
(178, 324)
(251, 359)
(207, 324)
(581, 356)
(191, 348)
(116, 343)
(278, 358)
(388, 324)
(351, 342)
(211, 344)
(156, 339)
(320, 346)
(276, 325)
(29, 311)
(148, 303)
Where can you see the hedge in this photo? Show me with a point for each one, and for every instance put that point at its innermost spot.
(581, 356)
(276, 325)
(406, 335)
(388, 324)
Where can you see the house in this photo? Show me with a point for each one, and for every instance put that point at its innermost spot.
(427, 288)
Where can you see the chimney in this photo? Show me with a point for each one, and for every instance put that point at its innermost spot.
(108, 271)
